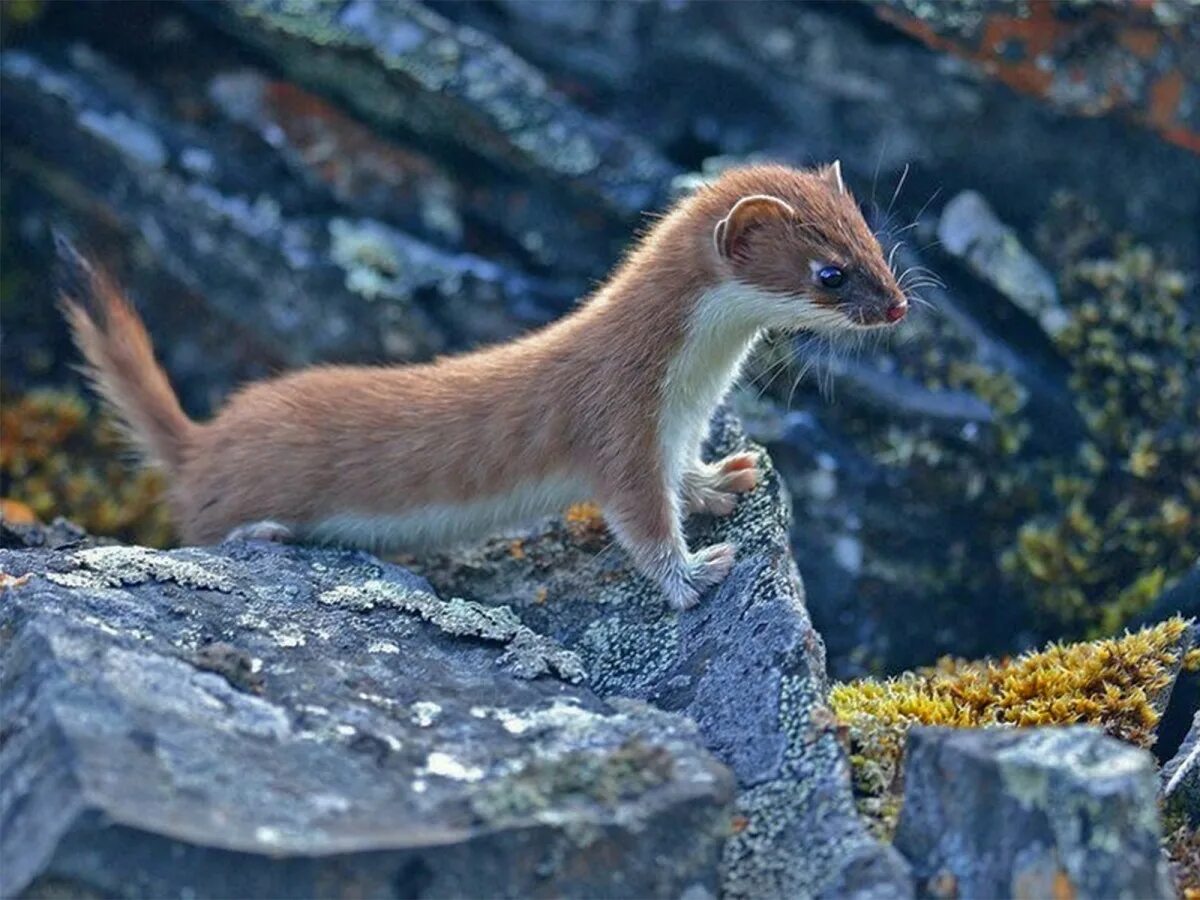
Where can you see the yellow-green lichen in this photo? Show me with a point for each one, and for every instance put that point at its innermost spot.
(1124, 520)
(1119, 684)
(1083, 535)
(60, 458)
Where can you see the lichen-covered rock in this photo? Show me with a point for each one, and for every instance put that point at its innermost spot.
(1142, 60)
(296, 285)
(970, 230)
(746, 665)
(1181, 777)
(252, 720)
(403, 65)
(1049, 812)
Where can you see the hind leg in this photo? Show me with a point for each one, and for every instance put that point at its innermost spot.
(644, 519)
(266, 530)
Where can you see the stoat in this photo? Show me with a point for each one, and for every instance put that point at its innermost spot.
(611, 402)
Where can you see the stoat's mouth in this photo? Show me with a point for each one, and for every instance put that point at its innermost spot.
(885, 317)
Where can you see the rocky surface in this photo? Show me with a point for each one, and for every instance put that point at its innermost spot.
(252, 720)
(969, 230)
(747, 666)
(1181, 777)
(1053, 812)
(326, 670)
(1089, 59)
(282, 183)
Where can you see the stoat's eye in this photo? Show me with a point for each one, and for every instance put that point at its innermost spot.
(831, 276)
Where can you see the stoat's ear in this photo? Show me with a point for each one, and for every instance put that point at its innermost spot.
(832, 173)
(729, 237)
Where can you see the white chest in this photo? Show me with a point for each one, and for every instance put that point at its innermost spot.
(719, 338)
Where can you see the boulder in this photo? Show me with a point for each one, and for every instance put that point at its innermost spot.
(746, 665)
(1181, 777)
(1049, 812)
(403, 65)
(262, 258)
(252, 720)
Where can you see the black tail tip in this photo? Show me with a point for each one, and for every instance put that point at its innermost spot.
(75, 276)
(66, 251)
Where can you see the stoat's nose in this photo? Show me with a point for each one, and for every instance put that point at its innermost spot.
(896, 311)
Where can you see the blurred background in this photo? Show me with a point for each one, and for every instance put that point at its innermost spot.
(281, 183)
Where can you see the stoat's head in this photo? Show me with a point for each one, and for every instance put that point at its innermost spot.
(800, 245)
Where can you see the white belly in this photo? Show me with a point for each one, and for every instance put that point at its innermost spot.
(446, 524)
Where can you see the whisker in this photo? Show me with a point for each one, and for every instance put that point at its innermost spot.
(917, 218)
(899, 187)
(777, 369)
(925, 205)
(878, 165)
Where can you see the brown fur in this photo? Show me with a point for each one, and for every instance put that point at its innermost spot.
(582, 396)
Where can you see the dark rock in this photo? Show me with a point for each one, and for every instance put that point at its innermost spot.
(325, 286)
(746, 665)
(1090, 59)
(58, 535)
(253, 720)
(404, 66)
(1181, 776)
(1030, 813)
(819, 81)
(334, 154)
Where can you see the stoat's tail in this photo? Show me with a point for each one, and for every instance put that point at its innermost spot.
(120, 360)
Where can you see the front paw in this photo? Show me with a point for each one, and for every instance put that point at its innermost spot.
(714, 488)
(711, 565)
(686, 579)
(738, 473)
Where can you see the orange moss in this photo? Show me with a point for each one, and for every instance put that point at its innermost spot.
(16, 513)
(59, 458)
(10, 582)
(585, 523)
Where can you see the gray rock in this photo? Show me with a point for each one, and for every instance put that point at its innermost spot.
(1030, 813)
(252, 720)
(301, 286)
(1181, 776)
(970, 230)
(402, 65)
(745, 664)
(363, 182)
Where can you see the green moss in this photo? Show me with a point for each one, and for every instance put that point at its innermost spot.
(1120, 684)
